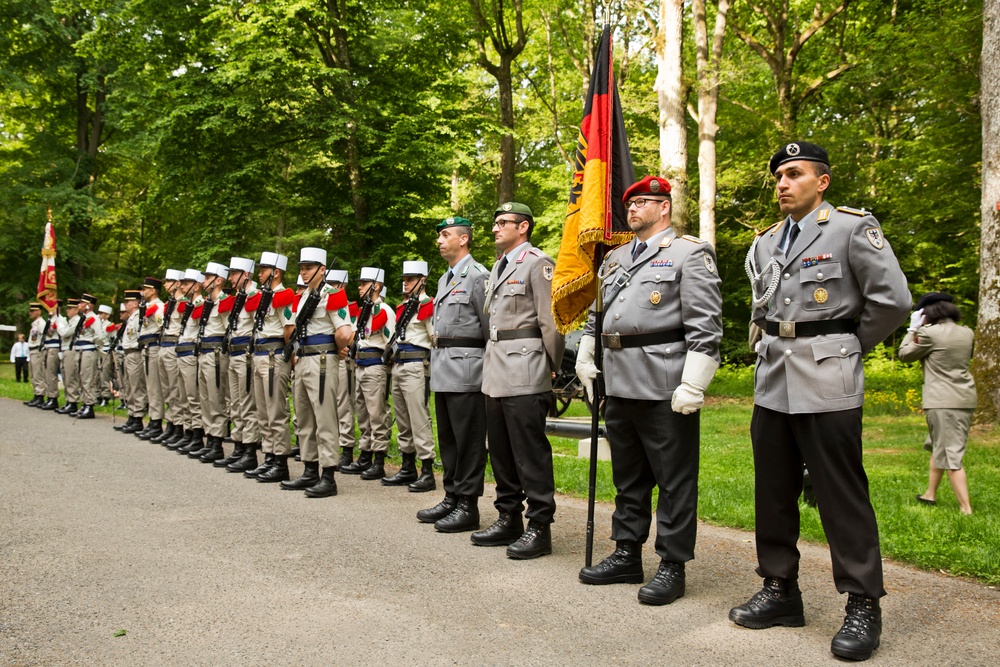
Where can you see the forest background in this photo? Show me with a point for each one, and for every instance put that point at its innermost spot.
(165, 134)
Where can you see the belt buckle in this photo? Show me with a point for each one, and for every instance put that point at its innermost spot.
(613, 341)
(786, 329)
(493, 334)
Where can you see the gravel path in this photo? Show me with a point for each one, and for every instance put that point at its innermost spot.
(101, 532)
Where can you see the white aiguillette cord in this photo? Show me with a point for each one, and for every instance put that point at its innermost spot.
(755, 275)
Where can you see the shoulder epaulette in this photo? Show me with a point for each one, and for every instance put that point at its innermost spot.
(692, 239)
(481, 268)
(860, 212)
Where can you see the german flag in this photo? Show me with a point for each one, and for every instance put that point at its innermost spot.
(595, 216)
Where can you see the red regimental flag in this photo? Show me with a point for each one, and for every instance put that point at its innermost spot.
(47, 274)
(595, 214)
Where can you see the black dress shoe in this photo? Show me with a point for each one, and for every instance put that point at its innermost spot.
(862, 629)
(308, 478)
(69, 408)
(86, 412)
(327, 486)
(623, 566)
(50, 404)
(376, 470)
(439, 511)
(536, 541)
(278, 472)
(34, 402)
(463, 518)
(507, 529)
(779, 602)
(363, 463)
(666, 585)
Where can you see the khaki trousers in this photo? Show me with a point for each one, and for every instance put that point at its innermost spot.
(345, 406)
(71, 375)
(272, 405)
(243, 406)
(52, 372)
(154, 390)
(318, 429)
(413, 414)
(190, 401)
(213, 396)
(170, 383)
(106, 373)
(374, 418)
(89, 376)
(136, 375)
(37, 364)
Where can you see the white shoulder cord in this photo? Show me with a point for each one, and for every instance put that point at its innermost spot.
(754, 275)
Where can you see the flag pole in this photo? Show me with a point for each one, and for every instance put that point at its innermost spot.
(595, 403)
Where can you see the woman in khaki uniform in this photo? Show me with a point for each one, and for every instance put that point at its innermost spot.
(949, 394)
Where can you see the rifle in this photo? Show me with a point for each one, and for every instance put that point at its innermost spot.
(77, 330)
(266, 296)
(186, 317)
(168, 312)
(364, 314)
(306, 311)
(409, 310)
(234, 316)
(142, 313)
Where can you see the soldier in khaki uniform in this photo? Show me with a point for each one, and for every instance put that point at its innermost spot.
(213, 365)
(411, 356)
(106, 365)
(133, 364)
(70, 364)
(51, 345)
(190, 306)
(826, 289)
(323, 333)
(523, 351)
(661, 333)
(371, 378)
(169, 335)
(90, 336)
(273, 324)
(36, 354)
(150, 325)
(337, 279)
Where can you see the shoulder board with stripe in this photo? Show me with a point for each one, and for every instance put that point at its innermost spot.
(378, 320)
(227, 304)
(521, 256)
(480, 268)
(252, 303)
(282, 299)
(425, 311)
(766, 230)
(860, 212)
(692, 239)
(337, 300)
(196, 313)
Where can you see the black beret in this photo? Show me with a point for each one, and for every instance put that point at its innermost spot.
(798, 150)
(932, 297)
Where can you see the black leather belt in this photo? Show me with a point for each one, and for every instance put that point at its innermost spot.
(623, 341)
(515, 334)
(813, 328)
(442, 343)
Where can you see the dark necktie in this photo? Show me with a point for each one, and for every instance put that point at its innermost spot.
(502, 267)
(450, 275)
(639, 249)
(793, 233)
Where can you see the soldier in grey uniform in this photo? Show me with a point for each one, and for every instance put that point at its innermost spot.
(150, 325)
(826, 289)
(661, 331)
(70, 363)
(36, 354)
(461, 327)
(523, 351)
(133, 364)
(51, 345)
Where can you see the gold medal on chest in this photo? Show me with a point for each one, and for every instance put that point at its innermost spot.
(820, 295)
(654, 298)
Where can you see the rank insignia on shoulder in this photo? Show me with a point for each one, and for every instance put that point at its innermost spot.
(709, 263)
(547, 271)
(692, 239)
(665, 243)
(860, 212)
(772, 228)
(823, 215)
(874, 236)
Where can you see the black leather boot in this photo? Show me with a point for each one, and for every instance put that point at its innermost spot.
(197, 442)
(507, 529)
(464, 517)
(439, 511)
(277, 472)
(407, 472)
(154, 430)
(128, 422)
(180, 438)
(308, 478)
(859, 636)
(426, 480)
(67, 409)
(50, 404)
(262, 468)
(167, 433)
(76, 413)
(363, 463)
(210, 443)
(327, 486)
(377, 469)
(346, 458)
(86, 412)
(623, 566)
(534, 542)
(136, 426)
(666, 585)
(34, 402)
(214, 453)
(247, 462)
(779, 602)
(237, 454)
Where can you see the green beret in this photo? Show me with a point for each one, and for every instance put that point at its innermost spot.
(513, 207)
(456, 221)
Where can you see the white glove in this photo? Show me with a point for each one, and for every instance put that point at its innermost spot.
(699, 369)
(916, 321)
(586, 370)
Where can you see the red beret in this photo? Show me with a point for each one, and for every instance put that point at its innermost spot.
(653, 186)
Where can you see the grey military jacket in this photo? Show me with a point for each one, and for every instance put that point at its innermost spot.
(521, 298)
(673, 284)
(840, 267)
(944, 349)
(460, 312)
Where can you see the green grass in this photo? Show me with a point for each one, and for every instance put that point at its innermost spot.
(934, 538)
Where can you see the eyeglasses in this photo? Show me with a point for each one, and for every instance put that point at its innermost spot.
(639, 203)
(499, 222)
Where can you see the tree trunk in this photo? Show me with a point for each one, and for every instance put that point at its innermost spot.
(986, 364)
(708, 59)
(670, 95)
(508, 162)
